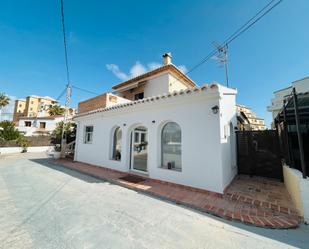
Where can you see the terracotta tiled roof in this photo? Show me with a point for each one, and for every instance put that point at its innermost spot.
(169, 67)
(152, 99)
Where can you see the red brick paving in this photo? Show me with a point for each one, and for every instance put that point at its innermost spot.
(255, 201)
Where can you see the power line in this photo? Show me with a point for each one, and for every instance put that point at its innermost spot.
(61, 94)
(265, 13)
(238, 32)
(85, 90)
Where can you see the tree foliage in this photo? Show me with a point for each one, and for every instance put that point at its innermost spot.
(69, 132)
(4, 100)
(23, 142)
(56, 110)
(8, 131)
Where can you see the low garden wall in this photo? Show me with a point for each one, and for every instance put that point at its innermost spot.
(12, 150)
(34, 141)
(298, 187)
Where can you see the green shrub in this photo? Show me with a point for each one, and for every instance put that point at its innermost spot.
(8, 131)
(23, 142)
(69, 130)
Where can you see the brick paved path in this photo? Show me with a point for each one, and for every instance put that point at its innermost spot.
(256, 201)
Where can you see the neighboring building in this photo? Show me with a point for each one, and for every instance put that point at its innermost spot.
(247, 119)
(31, 115)
(101, 101)
(33, 126)
(301, 86)
(32, 106)
(19, 109)
(166, 128)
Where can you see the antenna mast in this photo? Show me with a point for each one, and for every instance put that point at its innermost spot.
(222, 58)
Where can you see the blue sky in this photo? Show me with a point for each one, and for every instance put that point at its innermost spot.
(132, 35)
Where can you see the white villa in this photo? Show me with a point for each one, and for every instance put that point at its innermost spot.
(162, 125)
(35, 126)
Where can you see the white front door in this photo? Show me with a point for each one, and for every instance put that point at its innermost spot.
(139, 149)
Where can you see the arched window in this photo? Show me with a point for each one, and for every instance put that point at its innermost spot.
(171, 146)
(117, 144)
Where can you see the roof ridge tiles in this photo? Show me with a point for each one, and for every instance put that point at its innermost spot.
(158, 97)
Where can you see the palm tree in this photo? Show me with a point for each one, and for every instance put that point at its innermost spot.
(56, 110)
(4, 100)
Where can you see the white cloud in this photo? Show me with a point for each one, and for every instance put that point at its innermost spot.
(116, 71)
(137, 69)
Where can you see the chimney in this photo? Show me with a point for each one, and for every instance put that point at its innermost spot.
(167, 58)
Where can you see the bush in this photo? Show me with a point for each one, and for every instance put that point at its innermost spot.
(8, 131)
(23, 142)
(69, 130)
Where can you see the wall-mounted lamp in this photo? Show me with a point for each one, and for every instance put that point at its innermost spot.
(215, 109)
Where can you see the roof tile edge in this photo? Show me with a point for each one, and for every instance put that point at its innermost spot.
(211, 87)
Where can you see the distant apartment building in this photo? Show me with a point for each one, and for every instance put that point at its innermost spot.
(247, 119)
(32, 106)
(301, 86)
(31, 115)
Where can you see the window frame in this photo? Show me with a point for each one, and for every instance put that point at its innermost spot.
(114, 139)
(161, 165)
(86, 133)
(139, 95)
(27, 123)
(42, 125)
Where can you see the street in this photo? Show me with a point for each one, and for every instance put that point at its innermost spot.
(46, 206)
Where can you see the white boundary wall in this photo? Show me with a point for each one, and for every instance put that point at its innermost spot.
(10, 150)
(298, 188)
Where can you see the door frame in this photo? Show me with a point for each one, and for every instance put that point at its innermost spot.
(132, 138)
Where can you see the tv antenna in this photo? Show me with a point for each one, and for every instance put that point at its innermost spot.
(221, 57)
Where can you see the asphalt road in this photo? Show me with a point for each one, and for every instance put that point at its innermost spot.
(47, 206)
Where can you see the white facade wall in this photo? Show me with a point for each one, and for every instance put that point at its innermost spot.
(51, 124)
(228, 123)
(157, 85)
(204, 157)
(120, 100)
(175, 84)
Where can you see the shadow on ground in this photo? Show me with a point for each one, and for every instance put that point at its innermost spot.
(298, 237)
(47, 162)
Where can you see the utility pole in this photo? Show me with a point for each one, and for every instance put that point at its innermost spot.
(68, 87)
(65, 118)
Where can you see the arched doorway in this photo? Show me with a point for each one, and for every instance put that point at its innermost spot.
(139, 149)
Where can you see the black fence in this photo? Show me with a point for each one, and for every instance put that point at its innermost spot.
(259, 153)
(290, 145)
(292, 123)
